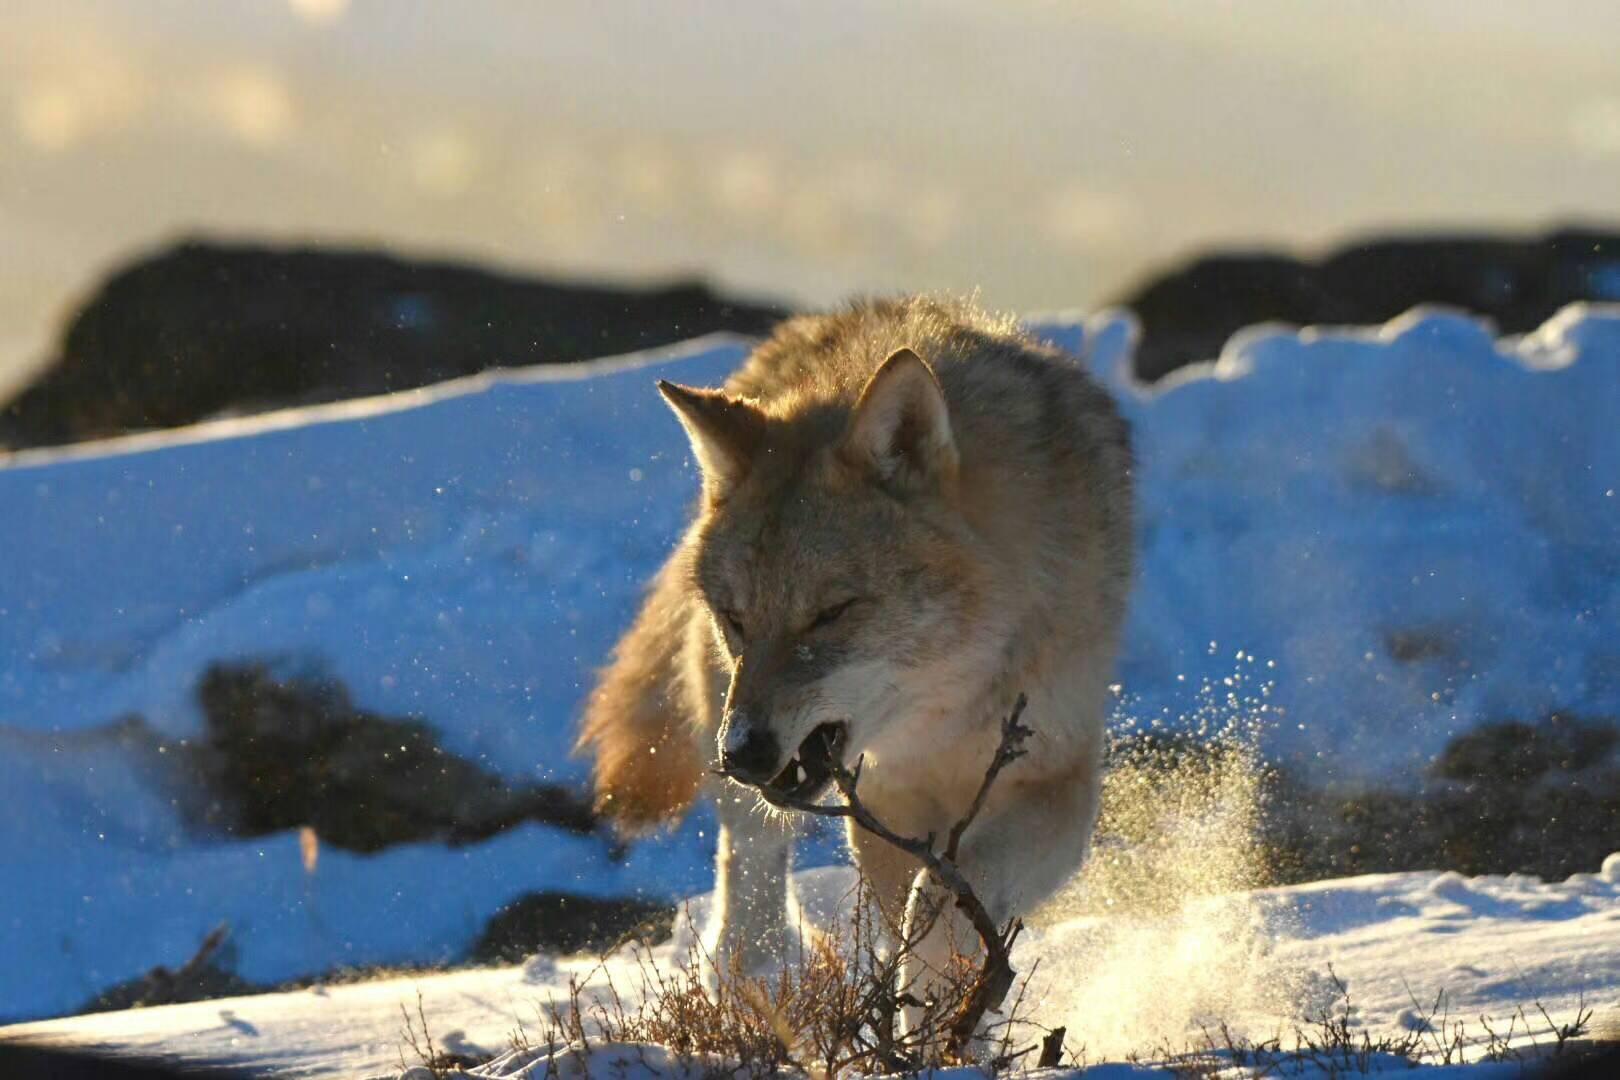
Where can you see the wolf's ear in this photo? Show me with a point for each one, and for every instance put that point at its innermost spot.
(725, 431)
(901, 428)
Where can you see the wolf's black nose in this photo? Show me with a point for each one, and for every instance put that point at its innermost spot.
(755, 758)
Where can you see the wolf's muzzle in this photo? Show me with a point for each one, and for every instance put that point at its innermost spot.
(754, 759)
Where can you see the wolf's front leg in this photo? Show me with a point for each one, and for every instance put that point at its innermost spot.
(1028, 841)
(750, 928)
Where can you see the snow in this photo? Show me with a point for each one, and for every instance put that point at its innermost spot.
(434, 572)
(1313, 495)
(467, 554)
(1491, 944)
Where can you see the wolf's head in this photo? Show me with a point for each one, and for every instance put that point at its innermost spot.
(842, 581)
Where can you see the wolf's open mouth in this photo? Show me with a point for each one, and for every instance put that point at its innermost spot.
(810, 770)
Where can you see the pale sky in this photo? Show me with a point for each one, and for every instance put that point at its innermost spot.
(1046, 153)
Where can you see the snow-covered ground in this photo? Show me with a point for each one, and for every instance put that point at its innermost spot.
(1398, 943)
(467, 554)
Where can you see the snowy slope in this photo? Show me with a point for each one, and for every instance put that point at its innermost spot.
(467, 554)
(1314, 496)
(444, 560)
(1260, 961)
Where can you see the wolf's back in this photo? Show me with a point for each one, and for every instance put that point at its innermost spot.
(637, 724)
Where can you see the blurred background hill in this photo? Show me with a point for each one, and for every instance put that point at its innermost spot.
(1053, 155)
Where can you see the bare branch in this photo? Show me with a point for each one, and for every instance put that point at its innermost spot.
(996, 977)
(1010, 749)
(1052, 1049)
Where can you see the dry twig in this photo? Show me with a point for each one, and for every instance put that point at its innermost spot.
(996, 976)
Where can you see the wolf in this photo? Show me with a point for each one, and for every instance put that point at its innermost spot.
(911, 513)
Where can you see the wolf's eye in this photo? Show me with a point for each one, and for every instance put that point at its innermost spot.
(830, 615)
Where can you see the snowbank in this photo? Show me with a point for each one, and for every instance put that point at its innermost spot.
(1405, 531)
(1418, 525)
(1482, 947)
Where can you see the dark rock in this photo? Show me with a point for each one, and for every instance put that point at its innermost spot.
(206, 975)
(1519, 752)
(1188, 313)
(30, 1060)
(284, 753)
(561, 923)
(1417, 644)
(1507, 797)
(203, 328)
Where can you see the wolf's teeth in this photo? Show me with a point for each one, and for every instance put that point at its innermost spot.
(798, 773)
